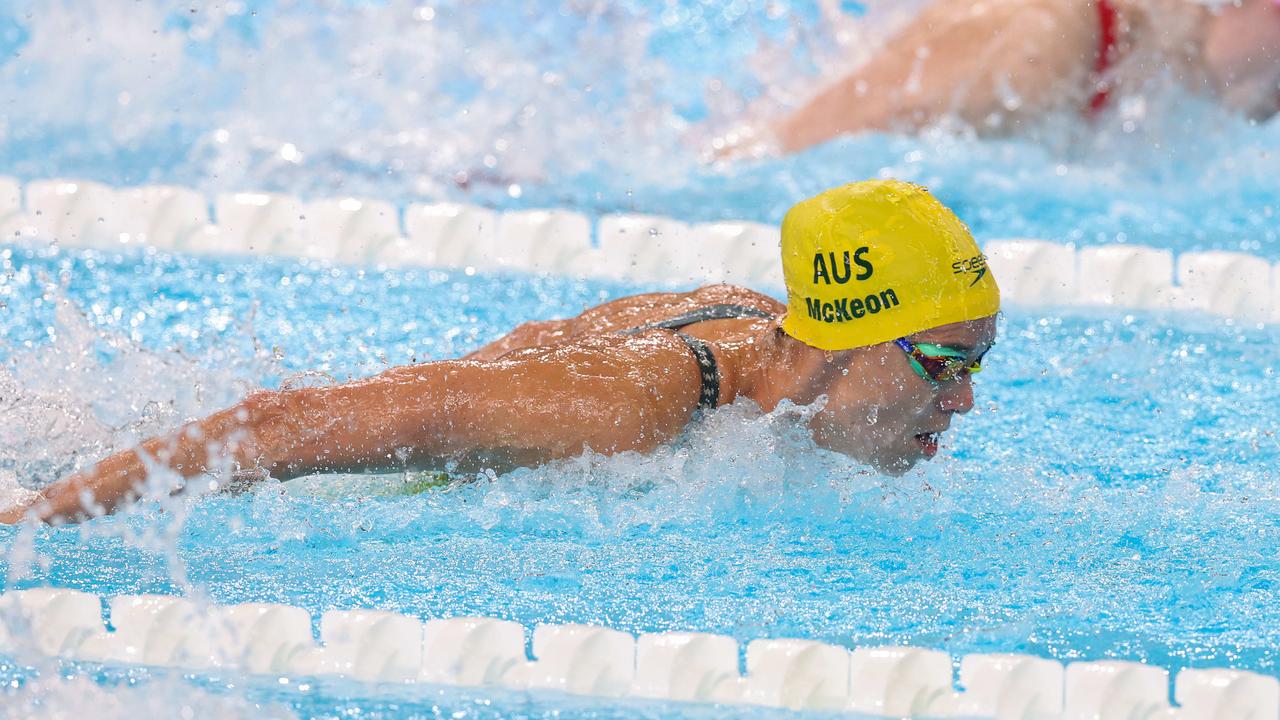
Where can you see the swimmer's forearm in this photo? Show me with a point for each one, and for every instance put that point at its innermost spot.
(73, 498)
(380, 423)
(358, 426)
(101, 489)
(120, 478)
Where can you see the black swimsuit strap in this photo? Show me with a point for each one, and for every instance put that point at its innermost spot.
(709, 395)
(725, 311)
(708, 371)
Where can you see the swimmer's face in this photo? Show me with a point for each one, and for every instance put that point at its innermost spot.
(883, 413)
(1242, 55)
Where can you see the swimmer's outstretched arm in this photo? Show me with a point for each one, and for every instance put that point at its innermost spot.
(609, 393)
(974, 62)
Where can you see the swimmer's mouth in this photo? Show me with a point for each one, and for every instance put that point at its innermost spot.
(928, 443)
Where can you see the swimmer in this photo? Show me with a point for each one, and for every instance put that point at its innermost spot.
(890, 308)
(998, 65)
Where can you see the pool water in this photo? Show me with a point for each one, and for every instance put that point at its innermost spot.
(1113, 495)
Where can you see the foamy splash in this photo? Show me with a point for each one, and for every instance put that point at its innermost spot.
(90, 392)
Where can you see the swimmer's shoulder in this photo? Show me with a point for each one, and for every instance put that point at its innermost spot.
(595, 355)
(635, 310)
(726, 294)
(622, 314)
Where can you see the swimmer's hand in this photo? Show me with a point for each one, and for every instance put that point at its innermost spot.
(13, 515)
(15, 499)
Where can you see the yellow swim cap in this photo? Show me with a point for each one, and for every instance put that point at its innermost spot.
(873, 261)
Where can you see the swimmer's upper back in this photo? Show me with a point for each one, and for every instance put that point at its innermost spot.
(626, 313)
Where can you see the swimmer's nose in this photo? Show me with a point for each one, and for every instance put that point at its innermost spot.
(957, 397)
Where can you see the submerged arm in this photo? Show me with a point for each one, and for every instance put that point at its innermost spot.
(607, 393)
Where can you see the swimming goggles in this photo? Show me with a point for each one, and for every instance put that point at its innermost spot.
(938, 363)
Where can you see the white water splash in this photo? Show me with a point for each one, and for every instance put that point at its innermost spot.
(88, 393)
(737, 464)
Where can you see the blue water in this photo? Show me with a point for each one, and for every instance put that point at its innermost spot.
(1114, 494)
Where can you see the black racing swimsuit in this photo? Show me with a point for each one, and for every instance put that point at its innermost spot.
(709, 396)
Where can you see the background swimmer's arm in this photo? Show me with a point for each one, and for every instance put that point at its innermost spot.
(609, 393)
(1000, 64)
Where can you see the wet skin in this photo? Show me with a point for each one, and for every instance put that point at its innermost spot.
(549, 390)
(1242, 53)
(1000, 66)
(880, 410)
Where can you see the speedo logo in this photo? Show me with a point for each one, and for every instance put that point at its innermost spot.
(976, 266)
